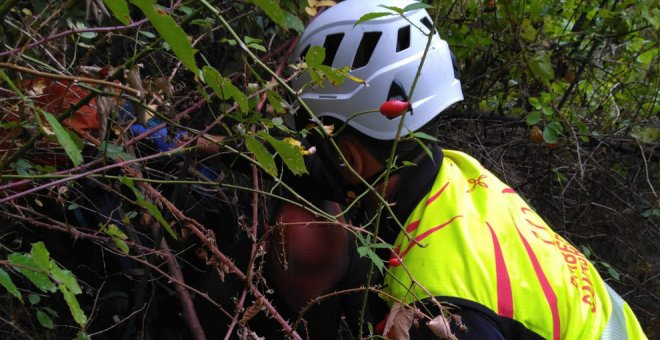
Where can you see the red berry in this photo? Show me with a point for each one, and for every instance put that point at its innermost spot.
(394, 108)
(394, 261)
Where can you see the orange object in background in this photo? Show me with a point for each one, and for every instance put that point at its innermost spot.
(57, 96)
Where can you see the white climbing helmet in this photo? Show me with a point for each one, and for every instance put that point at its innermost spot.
(386, 53)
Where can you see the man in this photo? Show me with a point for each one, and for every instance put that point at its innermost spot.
(466, 238)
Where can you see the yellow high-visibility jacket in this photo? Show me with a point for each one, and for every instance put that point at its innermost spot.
(484, 244)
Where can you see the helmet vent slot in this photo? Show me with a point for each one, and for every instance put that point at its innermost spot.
(427, 22)
(331, 46)
(366, 48)
(396, 92)
(403, 38)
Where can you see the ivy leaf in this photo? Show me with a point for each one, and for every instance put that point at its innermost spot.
(40, 256)
(273, 10)
(119, 9)
(223, 87)
(5, 281)
(77, 312)
(26, 266)
(44, 320)
(62, 134)
(290, 154)
(371, 16)
(173, 34)
(263, 157)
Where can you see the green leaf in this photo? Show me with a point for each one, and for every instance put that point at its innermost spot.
(610, 270)
(65, 277)
(315, 56)
(273, 10)
(292, 21)
(70, 298)
(153, 211)
(261, 154)
(548, 111)
(34, 299)
(119, 9)
(114, 151)
(533, 118)
(371, 16)
(70, 146)
(40, 256)
(651, 212)
(527, 31)
(118, 237)
(150, 207)
(647, 134)
(223, 87)
(44, 320)
(535, 102)
(26, 266)
(82, 336)
(5, 281)
(550, 135)
(556, 126)
(426, 136)
(275, 101)
(395, 9)
(541, 66)
(289, 153)
(173, 34)
(416, 5)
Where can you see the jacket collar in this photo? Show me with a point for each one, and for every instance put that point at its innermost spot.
(414, 184)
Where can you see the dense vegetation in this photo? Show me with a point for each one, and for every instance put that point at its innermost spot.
(115, 199)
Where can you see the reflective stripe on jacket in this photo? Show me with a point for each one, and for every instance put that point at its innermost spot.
(482, 242)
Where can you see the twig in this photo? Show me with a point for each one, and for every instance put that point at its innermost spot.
(189, 314)
(646, 169)
(70, 78)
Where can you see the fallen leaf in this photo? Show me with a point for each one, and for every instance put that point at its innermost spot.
(440, 327)
(399, 322)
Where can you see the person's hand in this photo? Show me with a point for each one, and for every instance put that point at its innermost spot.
(308, 255)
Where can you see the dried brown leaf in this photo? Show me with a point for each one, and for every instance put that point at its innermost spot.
(135, 81)
(399, 322)
(440, 327)
(254, 308)
(164, 85)
(104, 108)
